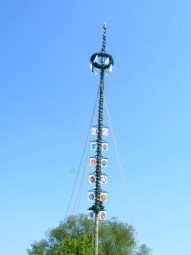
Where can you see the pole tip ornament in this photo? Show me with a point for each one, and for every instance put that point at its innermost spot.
(102, 60)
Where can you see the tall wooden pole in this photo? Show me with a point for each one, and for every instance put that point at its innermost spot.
(104, 63)
(98, 204)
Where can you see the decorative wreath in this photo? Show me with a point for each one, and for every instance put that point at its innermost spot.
(102, 65)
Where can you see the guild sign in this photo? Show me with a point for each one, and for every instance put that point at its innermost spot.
(105, 131)
(102, 215)
(90, 214)
(94, 130)
(104, 162)
(90, 196)
(92, 161)
(104, 146)
(91, 178)
(103, 197)
(103, 179)
(93, 146)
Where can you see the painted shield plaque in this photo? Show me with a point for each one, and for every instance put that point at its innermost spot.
(90, 214)
(102, 215)
(90, 196)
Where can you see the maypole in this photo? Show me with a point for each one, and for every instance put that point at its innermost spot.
(104, 62)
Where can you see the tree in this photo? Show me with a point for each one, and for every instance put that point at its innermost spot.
(74, 236)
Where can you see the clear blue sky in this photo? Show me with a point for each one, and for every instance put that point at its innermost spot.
(47, 96)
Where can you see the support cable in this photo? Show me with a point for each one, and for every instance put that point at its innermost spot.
(123, 179)
(85, 167)
(81, 185)
(85, 146)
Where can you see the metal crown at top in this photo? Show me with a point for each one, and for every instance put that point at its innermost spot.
(102, 60)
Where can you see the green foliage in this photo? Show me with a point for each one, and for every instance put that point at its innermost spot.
(81, 245)
(144, 250)
(75, 237)
(116, 238)
(38, 248)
